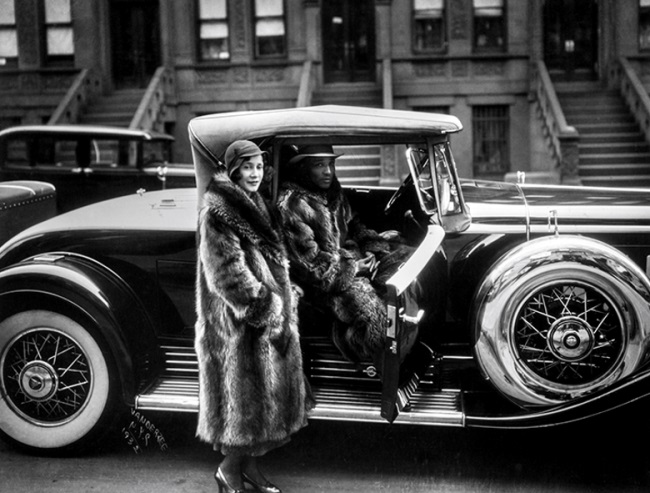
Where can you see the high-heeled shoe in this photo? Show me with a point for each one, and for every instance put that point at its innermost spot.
(262, 488)
(224, 487)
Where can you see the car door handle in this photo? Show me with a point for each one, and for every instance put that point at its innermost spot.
(412, 319)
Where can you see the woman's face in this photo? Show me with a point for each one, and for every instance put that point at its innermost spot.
(321, 171)
(251, 173)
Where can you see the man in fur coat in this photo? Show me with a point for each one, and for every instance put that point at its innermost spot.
(252, 390)
(332, 253)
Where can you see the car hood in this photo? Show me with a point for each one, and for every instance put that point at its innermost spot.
(509, 207)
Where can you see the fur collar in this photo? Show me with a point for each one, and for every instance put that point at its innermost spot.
(331, 199)
(246, 214)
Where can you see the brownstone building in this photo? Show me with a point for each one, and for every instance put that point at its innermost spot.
(539, 85)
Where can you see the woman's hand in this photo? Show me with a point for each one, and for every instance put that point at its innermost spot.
(367, 266)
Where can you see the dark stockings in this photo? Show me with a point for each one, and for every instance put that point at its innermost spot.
(233, 466)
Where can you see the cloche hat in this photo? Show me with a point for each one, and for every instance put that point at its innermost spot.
(237, 151)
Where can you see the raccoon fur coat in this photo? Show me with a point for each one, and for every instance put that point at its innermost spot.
(252, 391)
(324, 241)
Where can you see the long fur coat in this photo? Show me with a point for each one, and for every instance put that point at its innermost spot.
(252, 391)
(324, 241)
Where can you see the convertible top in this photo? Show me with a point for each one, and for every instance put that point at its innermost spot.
(211, 134)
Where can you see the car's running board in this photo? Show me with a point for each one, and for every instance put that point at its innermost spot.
(429, 402)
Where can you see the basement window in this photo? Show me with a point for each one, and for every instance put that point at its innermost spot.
(491, 135)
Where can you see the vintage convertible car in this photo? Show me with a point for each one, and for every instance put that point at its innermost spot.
(531, 306)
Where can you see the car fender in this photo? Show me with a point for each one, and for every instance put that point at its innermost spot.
(81, 285)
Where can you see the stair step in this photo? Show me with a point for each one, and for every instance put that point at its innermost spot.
(621, 181)
(631, 137)
(607, 146)
(604, 119)
(607, 128)
(607, 170)
(615, 159)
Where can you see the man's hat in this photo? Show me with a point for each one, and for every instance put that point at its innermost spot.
(313, 150)
(239, 150)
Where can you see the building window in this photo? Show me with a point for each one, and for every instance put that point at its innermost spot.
(269, 28)
(429, 31)
(644, 24)
(213, 30)
(490, 125)
(8, 38)
(489, 25)
(59, 43)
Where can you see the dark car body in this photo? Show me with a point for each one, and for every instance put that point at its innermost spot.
(89, 163)
(23, 204)
(522, 306)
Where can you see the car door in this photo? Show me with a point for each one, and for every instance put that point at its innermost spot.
(436, 184)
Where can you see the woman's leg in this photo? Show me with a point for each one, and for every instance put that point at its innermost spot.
(231, 469)
(251, 468)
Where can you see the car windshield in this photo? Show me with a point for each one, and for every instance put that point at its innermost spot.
(435, 184)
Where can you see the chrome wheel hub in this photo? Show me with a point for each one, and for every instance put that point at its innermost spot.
(38, 380)
(570, 339)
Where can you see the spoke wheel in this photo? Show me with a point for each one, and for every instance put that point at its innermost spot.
(569, 334)
(54, 380)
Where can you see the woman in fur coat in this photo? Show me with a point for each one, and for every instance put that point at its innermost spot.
(333, 255)
(252, 391)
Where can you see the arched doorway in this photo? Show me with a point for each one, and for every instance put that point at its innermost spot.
(571, 39)
(348, 28)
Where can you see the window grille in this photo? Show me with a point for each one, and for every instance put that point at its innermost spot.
(490, 125)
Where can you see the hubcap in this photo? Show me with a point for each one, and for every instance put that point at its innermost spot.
(570, 339)
(38, 380)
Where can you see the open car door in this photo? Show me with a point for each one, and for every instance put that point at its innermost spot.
(437, 186)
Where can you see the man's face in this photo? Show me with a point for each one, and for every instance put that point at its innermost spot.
(321, 171)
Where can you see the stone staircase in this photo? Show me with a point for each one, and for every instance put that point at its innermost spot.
(359, 165)
(115, 109)
(613, 151)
